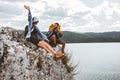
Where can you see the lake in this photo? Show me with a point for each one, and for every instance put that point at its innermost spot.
(97, 61)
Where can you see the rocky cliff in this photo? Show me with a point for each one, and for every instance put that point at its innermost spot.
(20, 60)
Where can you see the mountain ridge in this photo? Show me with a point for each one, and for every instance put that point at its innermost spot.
(88, 37)
(73, 37)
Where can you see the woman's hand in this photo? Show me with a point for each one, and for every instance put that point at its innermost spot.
(27, 7)
(60, 34)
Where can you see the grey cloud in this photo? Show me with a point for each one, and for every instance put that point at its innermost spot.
(44, 2)
(116, 1)
(52, 15)
(92, 3)
(14, 24)
(102, 18)
(4, 16)
(10, 9)
(78, 18)
(59, 12)
(106, 23)
(116, 17)
(8, 12)
(20, 0)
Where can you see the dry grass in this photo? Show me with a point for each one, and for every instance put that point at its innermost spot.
(69, 65)
(39, 63)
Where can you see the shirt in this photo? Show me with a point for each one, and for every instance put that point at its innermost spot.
(31, 28)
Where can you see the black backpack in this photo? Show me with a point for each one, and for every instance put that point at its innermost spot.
(25, 30)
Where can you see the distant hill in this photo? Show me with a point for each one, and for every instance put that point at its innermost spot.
(74, 37)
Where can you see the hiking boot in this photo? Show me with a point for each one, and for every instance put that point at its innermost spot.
(59, 55)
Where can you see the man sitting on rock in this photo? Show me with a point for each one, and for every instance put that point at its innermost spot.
(35, 36)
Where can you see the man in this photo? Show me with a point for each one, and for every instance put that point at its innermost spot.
(54, 36)
(35, 36)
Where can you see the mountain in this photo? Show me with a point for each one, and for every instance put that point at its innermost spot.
(21, 60)
(73, 37)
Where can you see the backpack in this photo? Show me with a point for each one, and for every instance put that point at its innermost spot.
(25, 30)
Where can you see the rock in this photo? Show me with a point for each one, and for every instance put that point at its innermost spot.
(21, 60)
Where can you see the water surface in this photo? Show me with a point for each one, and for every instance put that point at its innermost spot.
(97, 61)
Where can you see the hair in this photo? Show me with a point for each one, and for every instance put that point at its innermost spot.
(57, 24)
(35, 22)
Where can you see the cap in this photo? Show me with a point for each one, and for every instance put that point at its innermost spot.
(35, 19)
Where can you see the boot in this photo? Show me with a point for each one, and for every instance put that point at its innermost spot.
(59, 55)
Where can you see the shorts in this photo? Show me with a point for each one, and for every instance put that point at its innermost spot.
(59, 41)
(34, 39)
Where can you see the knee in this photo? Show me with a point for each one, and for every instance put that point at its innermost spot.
(41, 44)
(63, 43)
(53, 37)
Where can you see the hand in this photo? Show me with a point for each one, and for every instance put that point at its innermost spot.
(55, 29)
(60, 33)
(27, 7)
(47, 41)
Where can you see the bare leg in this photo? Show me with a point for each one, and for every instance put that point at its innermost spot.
(53, 40)
(47, 47)
(63, 44)
(50, 48)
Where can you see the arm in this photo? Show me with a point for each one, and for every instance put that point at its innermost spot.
(59, 31)
(29, 20)
(43, 36)
(29, 13)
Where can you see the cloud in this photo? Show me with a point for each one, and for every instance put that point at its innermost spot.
(105, 14)
(20, 0)
(115, 1)
(85, 19)
(76, 6)
(107, 9)
(73, 15)
(11, 15)
(9, 8)
(116, 24)
(56, 12)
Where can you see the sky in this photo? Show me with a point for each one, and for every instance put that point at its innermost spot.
(72, 15)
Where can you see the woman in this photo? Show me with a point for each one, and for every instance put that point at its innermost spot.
(38, 38)
(55, 34)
